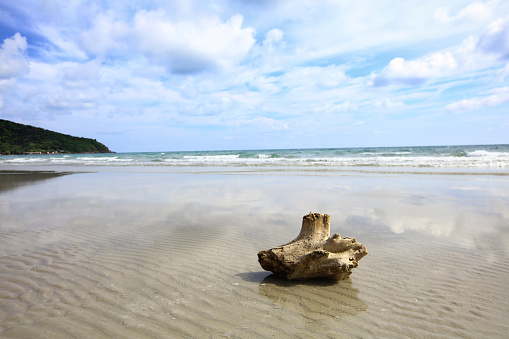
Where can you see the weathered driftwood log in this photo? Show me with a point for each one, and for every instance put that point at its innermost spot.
(314, 254)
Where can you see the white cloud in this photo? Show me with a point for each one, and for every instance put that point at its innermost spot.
(72, 100)
(272, 45)
(336, 107)
(475, 53)
(495, 39)
(416, 72)
(325, 29)
(183, 46)
(81, 75)
(106, 35)
(273, 36)
(498, 97)
(13, 64)
(475, 11)
(503, 73)
(193, 46)
(388, 103)
(62, 44)
(12, 59)
(265, 84)
(321, 77)
(42, 72)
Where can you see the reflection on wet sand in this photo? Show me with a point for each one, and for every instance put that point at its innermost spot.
(174, 255)
(312, 298)
(10, 180)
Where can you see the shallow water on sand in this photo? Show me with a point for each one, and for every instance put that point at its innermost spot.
(149, 254)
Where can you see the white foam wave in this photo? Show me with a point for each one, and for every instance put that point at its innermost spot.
(399, 153)
(212, 157)
(386, 153)
(103, 159)
(373, 161)
(474, 159)
(487, 154)
(24, 160)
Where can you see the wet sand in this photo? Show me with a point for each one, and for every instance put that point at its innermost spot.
(145, 254)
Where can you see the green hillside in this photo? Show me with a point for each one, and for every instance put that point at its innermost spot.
(21, 139)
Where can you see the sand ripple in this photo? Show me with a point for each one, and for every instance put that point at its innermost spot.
(93, 268)
(185, 283)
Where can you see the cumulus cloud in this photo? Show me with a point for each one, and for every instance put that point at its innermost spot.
(12, 60)
(106, 35)
(193, 47)
(13, 64)
(497, 97)
(183, 46)
(476, 52)
(416, 72)
(495, 39)
(475, 11)
(273, 36)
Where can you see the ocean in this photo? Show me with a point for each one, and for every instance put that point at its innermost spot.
(472, 158)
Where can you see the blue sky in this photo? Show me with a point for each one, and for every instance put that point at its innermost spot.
(159, 75)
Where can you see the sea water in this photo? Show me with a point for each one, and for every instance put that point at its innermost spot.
(473, 157)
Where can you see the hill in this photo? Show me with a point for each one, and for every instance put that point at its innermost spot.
(24, 139)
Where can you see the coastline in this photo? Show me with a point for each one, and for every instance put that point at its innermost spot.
(144, 252)
(494, 158)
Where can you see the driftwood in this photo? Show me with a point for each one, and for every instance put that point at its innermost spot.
(314, 254)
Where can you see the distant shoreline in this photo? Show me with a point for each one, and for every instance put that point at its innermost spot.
(55, 153)
(19, 139)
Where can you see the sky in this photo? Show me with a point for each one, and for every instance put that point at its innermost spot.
(163, 75)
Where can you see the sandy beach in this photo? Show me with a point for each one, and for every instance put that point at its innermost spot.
(141, 254)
